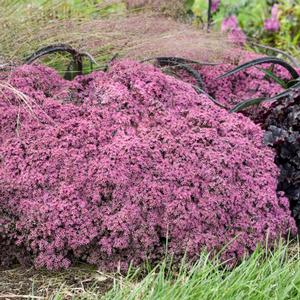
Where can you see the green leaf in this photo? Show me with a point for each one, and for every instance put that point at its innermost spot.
(247, 103)
(270, 74)
(292, 83)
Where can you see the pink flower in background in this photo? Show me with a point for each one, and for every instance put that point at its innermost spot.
(275, 12)
(229, 24)
(272, 24)
(215, 5)
(236, 34)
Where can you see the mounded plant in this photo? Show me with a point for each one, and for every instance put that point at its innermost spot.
(114, 167)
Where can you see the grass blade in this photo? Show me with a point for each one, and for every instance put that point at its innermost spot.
(52, 49)
(276, 50)
(247, 103)
(194, 73)
(291, 83)
(173, 61)
(76, 55)
(257, 101)
(259, 61)
(270, 74)
(200, 91)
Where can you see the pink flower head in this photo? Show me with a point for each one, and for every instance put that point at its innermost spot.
(236, 34)
(215, 5)
(273, 24)
(275, 12)
(229, 24)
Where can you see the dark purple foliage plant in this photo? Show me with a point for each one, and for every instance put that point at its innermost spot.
(281, 122)
(113, 167)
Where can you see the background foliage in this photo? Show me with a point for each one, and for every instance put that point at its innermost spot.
(252, 16)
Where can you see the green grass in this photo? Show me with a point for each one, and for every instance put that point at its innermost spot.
(208, 283)
(264, 275)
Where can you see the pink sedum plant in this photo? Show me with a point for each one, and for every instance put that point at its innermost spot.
(248, 84)
(112, 167)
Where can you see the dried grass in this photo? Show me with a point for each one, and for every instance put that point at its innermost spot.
(21, 283)
(157, 36)
(135, 36)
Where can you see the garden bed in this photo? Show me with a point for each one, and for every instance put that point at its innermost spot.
(119, 167)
